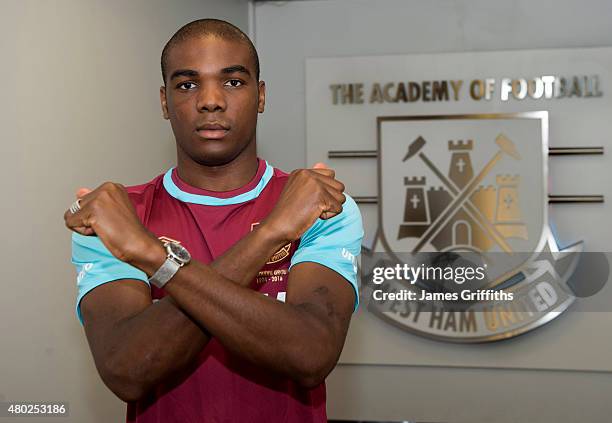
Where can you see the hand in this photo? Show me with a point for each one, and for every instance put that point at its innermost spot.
(308, 195)
(108, 213)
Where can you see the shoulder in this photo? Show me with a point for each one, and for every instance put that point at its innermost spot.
(279, 176)
(348, 223)
(335, 243)
(142, 196)
(139, 192)
(278, 173)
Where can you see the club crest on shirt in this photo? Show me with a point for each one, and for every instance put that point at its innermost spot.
(281, 254)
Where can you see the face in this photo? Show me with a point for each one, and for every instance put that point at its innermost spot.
(212, 99)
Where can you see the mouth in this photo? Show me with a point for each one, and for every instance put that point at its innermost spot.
(212, 131)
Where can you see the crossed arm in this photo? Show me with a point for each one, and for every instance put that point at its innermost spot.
(138, 344)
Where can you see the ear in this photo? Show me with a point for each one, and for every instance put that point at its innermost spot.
(261, 103)
(164, 102)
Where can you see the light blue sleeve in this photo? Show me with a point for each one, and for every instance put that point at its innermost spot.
(335, 243)
(95, 265)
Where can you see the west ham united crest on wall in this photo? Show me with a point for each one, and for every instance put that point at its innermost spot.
(448, 155)
(477, 184)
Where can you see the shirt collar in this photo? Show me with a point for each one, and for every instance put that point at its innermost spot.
(188, 194)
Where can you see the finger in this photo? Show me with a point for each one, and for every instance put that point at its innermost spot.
(334, 185)
(323, 169)
(83, 230)
(81, 192)
(331, 182)
(332, 207)
(328, 173)
(337, 195)
(327, 215)
(76, 220)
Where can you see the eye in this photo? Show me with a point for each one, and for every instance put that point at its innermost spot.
(185, 86)
(234, 83)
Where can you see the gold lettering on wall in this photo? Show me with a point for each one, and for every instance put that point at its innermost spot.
(481, 89)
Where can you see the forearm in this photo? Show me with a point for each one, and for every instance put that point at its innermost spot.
(244, 260)
(293, 340)
(141, 351)
(162, 339)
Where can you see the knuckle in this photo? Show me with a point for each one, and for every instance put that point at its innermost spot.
(322, 194)
(311, 184)
(322, 204)
(297, 175)
(102, 195)
(94, 204)
(110, 187)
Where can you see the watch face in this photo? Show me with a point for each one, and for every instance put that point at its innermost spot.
(179, 252)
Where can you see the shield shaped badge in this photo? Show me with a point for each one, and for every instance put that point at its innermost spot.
(477, 184)
(464, 183)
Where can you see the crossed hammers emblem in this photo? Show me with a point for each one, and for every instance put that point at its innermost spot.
(461, 198)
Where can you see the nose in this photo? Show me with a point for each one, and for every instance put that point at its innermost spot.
(211, 99)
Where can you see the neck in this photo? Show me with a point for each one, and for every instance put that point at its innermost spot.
(225, 177)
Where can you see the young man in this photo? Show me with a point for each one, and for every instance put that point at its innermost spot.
(223, 289)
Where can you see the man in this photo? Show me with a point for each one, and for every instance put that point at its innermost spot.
(222, 290)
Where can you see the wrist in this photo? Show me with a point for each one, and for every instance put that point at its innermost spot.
(272, 238)
(152, 255)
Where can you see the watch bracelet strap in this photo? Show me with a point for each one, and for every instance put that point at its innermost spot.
(164, 273)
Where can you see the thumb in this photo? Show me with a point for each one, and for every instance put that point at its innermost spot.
(81, 192)
(320, 165)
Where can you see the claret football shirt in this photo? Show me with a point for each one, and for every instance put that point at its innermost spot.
(224, 388)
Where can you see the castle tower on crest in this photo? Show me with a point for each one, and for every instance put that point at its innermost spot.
(460, 170)
(508, 213)
(416, 209)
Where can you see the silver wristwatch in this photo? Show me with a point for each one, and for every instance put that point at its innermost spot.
(178, 256)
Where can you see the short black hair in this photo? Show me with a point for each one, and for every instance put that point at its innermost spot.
(211, 27)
